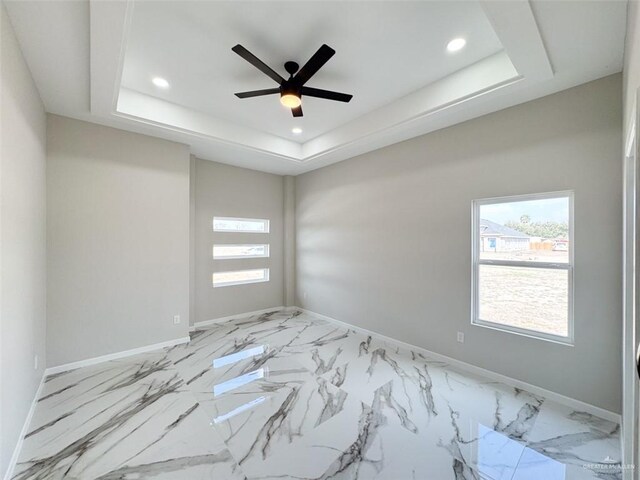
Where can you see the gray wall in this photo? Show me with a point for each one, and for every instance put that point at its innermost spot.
(22, 240)
(192, 239)
(289, 241)
(383, 240)
(631, 81)
(118, 240)
(226, 191)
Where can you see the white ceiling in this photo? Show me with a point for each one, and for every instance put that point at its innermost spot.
(373, 61)
(95, 60)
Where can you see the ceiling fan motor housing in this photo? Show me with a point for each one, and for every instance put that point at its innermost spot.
(289, 87)
(291, 67)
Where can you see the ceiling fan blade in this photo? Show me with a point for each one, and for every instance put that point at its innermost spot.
(256, 62)
(324, 53)
(257, 93)
(329, 95)
(297, 112)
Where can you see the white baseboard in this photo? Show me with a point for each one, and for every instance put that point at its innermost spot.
(25, 429)
(204, 323)
(548, 394)
(115, 356)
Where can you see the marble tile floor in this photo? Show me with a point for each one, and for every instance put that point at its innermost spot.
(289, 396)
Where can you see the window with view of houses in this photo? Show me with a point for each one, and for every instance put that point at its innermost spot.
(523, 265)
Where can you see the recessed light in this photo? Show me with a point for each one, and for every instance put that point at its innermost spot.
(296, 130)
(160, 82)
(456, 44)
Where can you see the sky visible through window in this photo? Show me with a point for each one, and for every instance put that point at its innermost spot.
(543, 210)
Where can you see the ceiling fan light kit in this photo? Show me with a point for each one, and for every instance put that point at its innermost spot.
(291, 90)
(290, 100)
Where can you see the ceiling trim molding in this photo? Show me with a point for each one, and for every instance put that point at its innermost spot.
(154, 111)
(109, 25)
(518, 31)
(481, 78)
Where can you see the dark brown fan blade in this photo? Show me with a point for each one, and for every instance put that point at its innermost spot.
(329, 95)
(256, 62)
(297, 112)
(324, 53)
(257, 93)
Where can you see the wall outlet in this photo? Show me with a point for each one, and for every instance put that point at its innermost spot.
(35, 362)
(176, 319)
(461, 337)
(304, 296)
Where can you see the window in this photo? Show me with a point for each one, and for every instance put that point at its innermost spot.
(523, 265)
(247, 225)
(239, 277)
(225, 251)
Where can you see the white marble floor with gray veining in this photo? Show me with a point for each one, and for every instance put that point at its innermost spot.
(289, 396)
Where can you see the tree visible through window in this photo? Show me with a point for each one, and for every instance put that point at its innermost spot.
(522, 264)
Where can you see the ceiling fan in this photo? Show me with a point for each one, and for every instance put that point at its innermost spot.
(292, 89)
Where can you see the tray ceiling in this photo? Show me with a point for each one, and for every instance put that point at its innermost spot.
(391, 56)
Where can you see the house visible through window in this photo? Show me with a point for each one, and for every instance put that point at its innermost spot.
(523, 265)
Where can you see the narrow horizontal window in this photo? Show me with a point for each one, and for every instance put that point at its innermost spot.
(222, 252)
(240, 277)
(247, 225)
(523, 265)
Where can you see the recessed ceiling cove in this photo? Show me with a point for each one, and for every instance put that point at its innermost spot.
(385, 51)
(167, 68)
(393, 56)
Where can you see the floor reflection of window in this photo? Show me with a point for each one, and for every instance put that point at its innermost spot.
(534, 466)
(237, 382)
(239, 410)
(236, 357)
(498, 457)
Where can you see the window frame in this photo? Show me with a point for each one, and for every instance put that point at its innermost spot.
(476, 262)
(264, 221)
(266, 246)
(266, 270)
